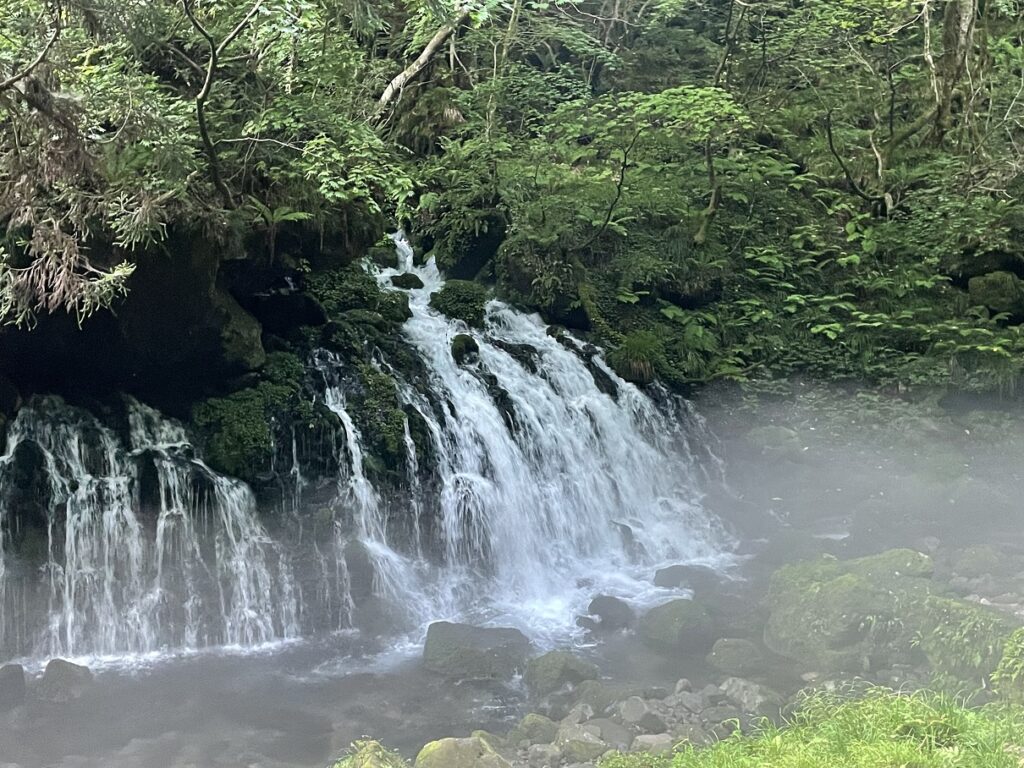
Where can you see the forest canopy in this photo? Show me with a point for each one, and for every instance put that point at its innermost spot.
(709, 188)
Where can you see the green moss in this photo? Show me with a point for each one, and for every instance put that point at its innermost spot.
(340, 290)
(464, 348)
(462, 300)
(237, 429)
(639, 357)
(881, 729)
(381, 418)
(964, 642)
(370, 754)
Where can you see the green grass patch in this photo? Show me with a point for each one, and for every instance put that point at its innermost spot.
(879, 729)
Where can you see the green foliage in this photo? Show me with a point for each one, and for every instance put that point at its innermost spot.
(461, 300)
(639, 357)
(382, 421)
(1008, 677)
(879, 728)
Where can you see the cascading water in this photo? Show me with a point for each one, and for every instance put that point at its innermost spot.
(549, 488)
(141, 546)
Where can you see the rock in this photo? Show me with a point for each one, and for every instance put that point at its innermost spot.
(720, 713)
(682, 684)
(12, 686)
(63, 682)
(614, 734)
(677, 625)
(544, 756)
(464, 349)
(691, 733)
(696, 577)
(975, 562)
(776, 441)
(240, 333)
(596, 695)
(580, 743)
(687, 702)
(462, 300)
(636, 711)
(463, 651)
(533, 729)
(613, 613)
(999, 291)
(553, 670)
(471, 752)
(751, 697)
(735, 656)
(407, 281)
(580, 712)
(370, 754)
(655, 744)
(385, 256)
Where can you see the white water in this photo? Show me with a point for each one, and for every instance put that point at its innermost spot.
(184, 568)
(538, 491)
(584, 493)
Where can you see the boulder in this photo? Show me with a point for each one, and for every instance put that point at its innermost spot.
(463, 651)
(751, 697)
(580, 743)
(544, 756)
(407, 281)
(370, 754)
(63, 681)
(655, 744)
(471, 752)
(533, 729)
(461, 300)
(614, 734)
(464, 349)
(12, 686)
(385, 256)
(613, 613)
(736, 656)
(635, 711)
(691, 733)
(999, 291)
(677, 625)
(546, 674)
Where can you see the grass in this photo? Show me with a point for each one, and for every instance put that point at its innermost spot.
(878, 729)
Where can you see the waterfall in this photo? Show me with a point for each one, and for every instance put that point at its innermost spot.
(554, 478)
(146, 548)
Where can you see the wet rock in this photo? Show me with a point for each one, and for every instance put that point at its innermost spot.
(580, 712)
(636, 711)
(999, 291)
(370, 754)
(752, 697)
(556, 669)
(471, 752)
(462, 651)
(596, 695)
(614, 734)
(533, 729)
(735, 656)
(683, 684)
(464, 349)
(544, 756)
(686, 702)
(580, 743)
(383, 256)
(613, 613)
(63, 681)
(407, 281)
(696, 577)
(677, 625)
(655, 744)
(12, 686)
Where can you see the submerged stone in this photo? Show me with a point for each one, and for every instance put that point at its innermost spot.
(63, 682)
(546, 674)
(464, 651)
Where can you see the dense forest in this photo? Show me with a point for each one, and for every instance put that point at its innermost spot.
(710, 190)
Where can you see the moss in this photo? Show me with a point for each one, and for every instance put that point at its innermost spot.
(999, 291)
(639, 357)
(547, 673)
(381, 418)
(237, 429)
(370, 754)
(964, 642)
(464, 348)
(462, 300)
(677, 625)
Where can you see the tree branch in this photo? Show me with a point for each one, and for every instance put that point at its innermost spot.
(38, 59)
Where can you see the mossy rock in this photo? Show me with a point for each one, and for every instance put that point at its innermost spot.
(407, 281)
(848, 616)
(533, 729)
(383, 256)
(461, 300)
(370, 754)
(464, 349)
(677, 625)
(462, 651)
(999, 291)
(736, 656)
(471, 752)
(546, 674)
